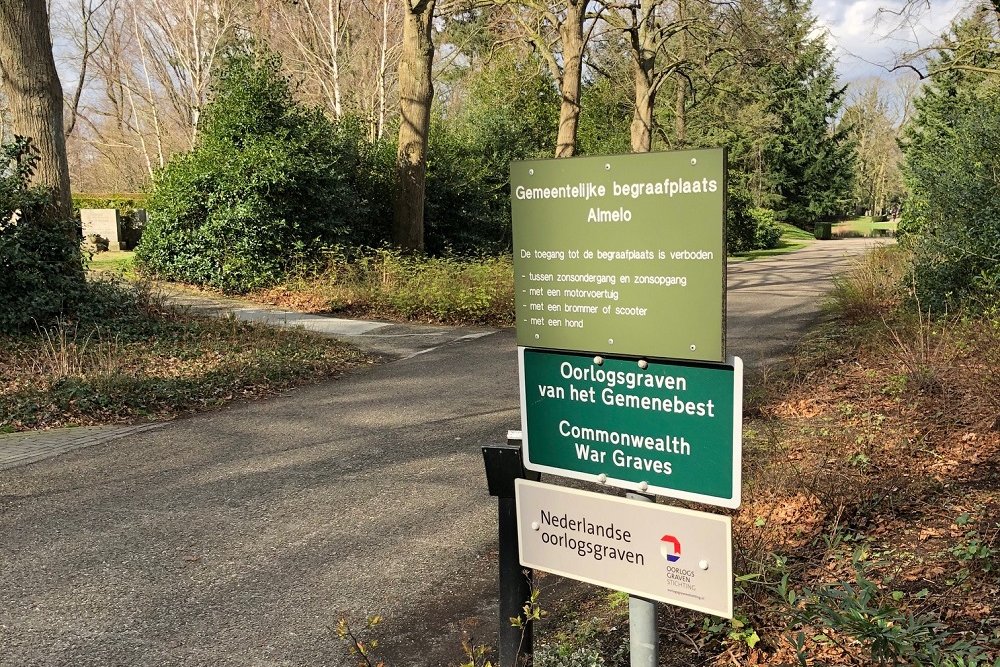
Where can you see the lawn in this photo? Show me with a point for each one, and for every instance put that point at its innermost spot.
(112, 260)
(792, 239)
(860, 227)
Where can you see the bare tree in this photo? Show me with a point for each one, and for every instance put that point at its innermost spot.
(318, 30)
(559, 34)
(651, 27)
(31, 85)
(183, 40)
(962, 54)
(84, 23)
(878, 156)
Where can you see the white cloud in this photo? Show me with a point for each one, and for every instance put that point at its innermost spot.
(869, 36)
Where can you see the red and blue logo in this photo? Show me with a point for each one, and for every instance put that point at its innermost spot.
(670, 548)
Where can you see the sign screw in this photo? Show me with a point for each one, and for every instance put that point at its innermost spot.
(703, 564)
(531, 172)
(643, 364)
(607, 165)
(694, 161)
(537, 336)
(535, 526)
(598, 360)
(602, 478)
(611, 341)
(693, 347)
(643, 486)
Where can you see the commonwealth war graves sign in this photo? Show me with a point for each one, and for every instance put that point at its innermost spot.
(655, 427)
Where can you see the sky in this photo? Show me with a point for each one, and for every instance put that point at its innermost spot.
(866, 40)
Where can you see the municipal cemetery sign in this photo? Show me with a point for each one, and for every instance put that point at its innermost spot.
(619, 276)
(622, 254)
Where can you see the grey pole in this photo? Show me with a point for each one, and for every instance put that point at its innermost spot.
(641, 620)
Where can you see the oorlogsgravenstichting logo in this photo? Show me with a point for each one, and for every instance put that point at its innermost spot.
(670, 548)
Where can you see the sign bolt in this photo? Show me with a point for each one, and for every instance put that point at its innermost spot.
(602, 478)
(703, 564)
(531, 172)
(607, 165)
(598, 360)
(537, 336)
(611, 341)
(643, 364)
(643, 486)
(694, 161)
(535, 526)
(693, 347)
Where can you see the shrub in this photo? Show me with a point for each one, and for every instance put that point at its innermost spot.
(749, 228)
(467, 203)
(392, 285)
(952, 218)
(767, 233)
(41, 270)
(265, 187)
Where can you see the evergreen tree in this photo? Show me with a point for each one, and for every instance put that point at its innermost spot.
(811, 157)
(952, 218)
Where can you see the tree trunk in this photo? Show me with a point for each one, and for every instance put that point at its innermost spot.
(642, 118)
(571, 34)
(680, 118)
(28, 79)
(643, 71)
(416, 92)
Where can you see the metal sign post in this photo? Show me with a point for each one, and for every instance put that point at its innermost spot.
(503, 466)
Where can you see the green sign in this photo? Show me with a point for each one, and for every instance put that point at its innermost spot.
(669, 429)
(622, 254)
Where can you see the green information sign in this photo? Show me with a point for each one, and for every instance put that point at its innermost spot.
(669, 429)
(622, 254)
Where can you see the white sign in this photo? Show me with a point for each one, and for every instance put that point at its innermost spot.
(672, 555)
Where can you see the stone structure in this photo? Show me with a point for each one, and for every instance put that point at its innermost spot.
(105, 223)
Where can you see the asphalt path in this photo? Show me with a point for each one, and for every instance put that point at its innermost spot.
(238, 537)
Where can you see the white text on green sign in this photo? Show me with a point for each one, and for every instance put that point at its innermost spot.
(621, 254)
(663, 428)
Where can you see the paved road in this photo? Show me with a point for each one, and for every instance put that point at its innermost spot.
(772, 301)
(235, 538)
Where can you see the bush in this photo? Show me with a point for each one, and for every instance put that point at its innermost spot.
(767, 233)
(467, 205)
(41, 270)
(951, 220)
(749, 228)
(267, 186)
(392, 285)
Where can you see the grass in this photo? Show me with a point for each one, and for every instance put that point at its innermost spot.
(129, 358)
(117, 261)
(793, 233)
(858, 227)
(389, 285)
(792, 239)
